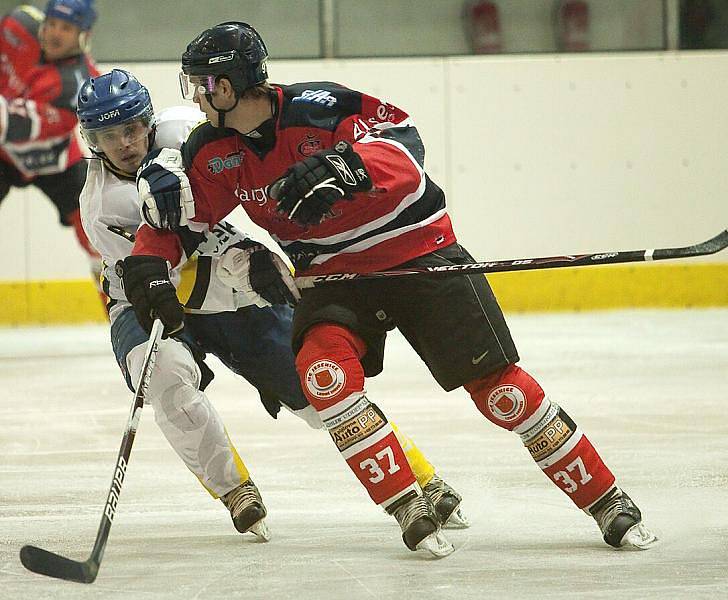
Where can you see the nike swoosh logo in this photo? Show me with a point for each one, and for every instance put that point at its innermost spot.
(475, 360)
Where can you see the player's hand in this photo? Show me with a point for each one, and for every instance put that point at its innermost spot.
(260, 273)
(151, 293)
(310, 187)
(164, 190)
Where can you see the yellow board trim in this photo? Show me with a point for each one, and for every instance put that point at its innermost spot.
(587, 288)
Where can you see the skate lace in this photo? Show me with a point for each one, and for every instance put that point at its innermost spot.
(241, 497)
(616, 504)
(437, 489)
(410, 512)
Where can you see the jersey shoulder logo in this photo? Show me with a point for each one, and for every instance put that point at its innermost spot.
(322, 97)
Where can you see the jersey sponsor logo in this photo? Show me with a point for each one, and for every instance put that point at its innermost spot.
(506, 403)
(361, 127)
(309, 145)
(109, 115)
(257, 195)
(219, 59)
(322, 97)
(217, 165)
(325, 379)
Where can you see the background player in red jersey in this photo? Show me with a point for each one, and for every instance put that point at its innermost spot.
(337, 177)
(43, 62)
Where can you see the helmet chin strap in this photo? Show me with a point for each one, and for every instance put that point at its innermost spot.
(222, 112)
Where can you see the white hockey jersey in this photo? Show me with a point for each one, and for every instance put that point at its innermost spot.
(110, 213)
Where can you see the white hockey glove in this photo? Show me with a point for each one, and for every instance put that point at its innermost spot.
(258, 272)
(164, 190)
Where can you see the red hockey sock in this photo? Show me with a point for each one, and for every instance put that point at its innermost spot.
(332, 378)
(512, 399)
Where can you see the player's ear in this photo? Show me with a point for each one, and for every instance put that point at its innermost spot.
(226, 87)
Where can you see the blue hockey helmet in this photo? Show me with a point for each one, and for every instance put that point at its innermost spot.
(79, 12)
(112, 99)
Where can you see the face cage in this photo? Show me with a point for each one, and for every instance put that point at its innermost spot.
(126, 134)
(200, 84)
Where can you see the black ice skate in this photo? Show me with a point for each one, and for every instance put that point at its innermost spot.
(620, 521)
(420, 525)
(447, 504)
(247, 510)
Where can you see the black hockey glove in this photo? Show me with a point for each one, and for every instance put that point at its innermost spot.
(310, 187)
(251, 268)
(151, 293)
(164, 190)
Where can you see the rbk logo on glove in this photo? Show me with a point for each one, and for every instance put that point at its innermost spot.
(150, 292)
(344, 171)
(310, 187)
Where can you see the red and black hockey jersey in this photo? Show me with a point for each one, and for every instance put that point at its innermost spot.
(401, 218)
(37, 99)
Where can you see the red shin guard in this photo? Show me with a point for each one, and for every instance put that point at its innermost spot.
(513, 400)
(332, 378)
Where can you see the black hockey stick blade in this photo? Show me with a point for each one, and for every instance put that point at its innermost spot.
(711, 246)
(54, 565)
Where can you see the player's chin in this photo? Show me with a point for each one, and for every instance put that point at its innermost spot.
(130, 164)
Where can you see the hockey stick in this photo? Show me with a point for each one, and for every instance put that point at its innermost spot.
(54, 565)
(711, 246)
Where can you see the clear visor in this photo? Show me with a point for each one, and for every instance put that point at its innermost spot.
(200, 84)
(117, 136)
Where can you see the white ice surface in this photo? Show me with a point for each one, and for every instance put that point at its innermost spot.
(649, 388)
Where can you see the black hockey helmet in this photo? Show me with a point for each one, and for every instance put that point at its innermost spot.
(232, 49)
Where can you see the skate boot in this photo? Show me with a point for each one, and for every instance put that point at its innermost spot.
(420, 526)
(447, 504)
(247, 509)
(620, 521)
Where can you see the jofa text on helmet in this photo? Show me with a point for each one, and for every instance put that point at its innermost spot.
(109, 115)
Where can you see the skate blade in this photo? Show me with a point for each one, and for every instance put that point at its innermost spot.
(457, 520)
(437, 545)
(638, 537)
(260, 529)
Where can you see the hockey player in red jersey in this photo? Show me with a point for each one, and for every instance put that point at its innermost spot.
(42, 64)
(337, 177)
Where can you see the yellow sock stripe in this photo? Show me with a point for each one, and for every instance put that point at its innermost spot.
(421, 467)
(239, 464)
(675, 285)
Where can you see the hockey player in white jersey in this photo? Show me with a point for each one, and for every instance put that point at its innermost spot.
(249, 332)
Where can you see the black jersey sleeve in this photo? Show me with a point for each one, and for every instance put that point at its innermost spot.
(320, 104)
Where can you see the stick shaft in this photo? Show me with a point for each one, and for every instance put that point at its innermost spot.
(711, 246)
